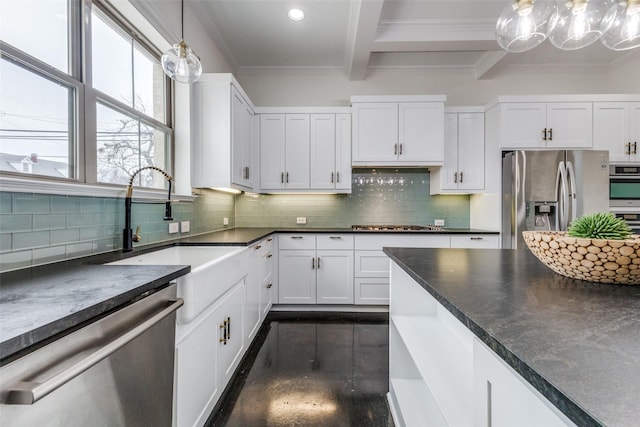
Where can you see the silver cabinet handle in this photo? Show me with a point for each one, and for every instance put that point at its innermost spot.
(29, 392)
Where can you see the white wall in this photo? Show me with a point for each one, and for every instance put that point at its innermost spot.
(333, 88)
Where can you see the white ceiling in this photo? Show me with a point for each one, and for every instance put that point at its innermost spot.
(357, 36)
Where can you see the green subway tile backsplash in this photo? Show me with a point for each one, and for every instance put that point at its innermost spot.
(383, 196)
(40, 228)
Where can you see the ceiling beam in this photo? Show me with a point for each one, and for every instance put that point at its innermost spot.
(494, 62)
(365, 15)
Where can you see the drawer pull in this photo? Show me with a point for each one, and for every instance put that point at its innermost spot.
(269, 285)
(269, 255)
(257, 247)
(297, 237)
(269, 239)
(476, 238)
(335, 237)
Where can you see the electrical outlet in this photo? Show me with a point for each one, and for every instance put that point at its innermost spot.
(185, 226)
(301, 220)
(173, 227)
(225, 221)
(439, 222)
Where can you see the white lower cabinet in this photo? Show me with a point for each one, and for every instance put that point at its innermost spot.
(504, 399)
(206, 356)
(259, 263)
(315, 269)
(440, 374)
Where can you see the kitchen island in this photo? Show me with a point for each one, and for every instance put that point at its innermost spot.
(575, 344)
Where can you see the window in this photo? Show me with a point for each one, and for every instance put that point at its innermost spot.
(50, 116)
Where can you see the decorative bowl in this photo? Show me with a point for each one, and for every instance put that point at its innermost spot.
(594, 260)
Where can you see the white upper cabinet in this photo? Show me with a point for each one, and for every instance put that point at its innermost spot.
(553, 125)
(331, 152)
(399, 133)
(284, 151)
(616, 127)
(305, 152)
(222, 138)
(463, 169)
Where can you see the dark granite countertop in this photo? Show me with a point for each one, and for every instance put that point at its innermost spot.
(244, 236)
(576, 342)
(38, 303)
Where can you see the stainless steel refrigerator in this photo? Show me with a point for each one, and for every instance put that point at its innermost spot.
(546, 190)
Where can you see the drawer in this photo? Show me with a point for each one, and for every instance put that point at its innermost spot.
(478, 241)
(371, 264)
(297, 241)
(371, 291)
(334, 241)
(379, 240)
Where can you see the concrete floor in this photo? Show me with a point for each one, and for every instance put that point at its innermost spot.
(312, 369)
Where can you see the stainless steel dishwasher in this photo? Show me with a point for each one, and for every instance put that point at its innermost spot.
(116, 371)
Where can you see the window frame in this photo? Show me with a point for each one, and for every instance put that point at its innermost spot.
(84, 182)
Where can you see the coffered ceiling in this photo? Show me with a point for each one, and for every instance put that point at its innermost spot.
(358, 36)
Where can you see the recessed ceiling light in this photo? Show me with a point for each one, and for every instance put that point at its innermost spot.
(296, 15)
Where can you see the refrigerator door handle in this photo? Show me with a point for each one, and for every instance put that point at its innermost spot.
(572, 193)
(561, 196)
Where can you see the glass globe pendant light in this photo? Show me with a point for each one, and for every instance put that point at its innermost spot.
(179, 62)
(621, 25)
(522, 24)
(576, 23)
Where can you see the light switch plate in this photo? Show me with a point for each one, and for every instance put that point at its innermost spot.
(173, 227)
(439, 222)
(225, 221)
(301, 220)
(185, 226)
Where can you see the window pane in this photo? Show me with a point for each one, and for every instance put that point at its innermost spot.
(112, 60)
(126, 144)
(36, 123)
(39, 28)
(148, 84)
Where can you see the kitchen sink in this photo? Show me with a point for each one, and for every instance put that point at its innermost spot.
(210, 265)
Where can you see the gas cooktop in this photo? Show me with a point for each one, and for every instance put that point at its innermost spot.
(396, 227)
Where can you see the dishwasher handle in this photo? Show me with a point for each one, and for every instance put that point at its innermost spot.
(29, 392)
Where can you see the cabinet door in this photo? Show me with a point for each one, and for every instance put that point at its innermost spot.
(634, 131)
(230, 351)
(569, 125)
(297, 156)
(449, 171)
(252, 309)
(343, 152)
(611, 129)
(504, 399)
(196, 373)
(334, 277)
(323, 151)
(272, 151)
(241, 139)
(297, 277)
(375, 133)
(421, 132)
(471, 151)
(522, 125)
